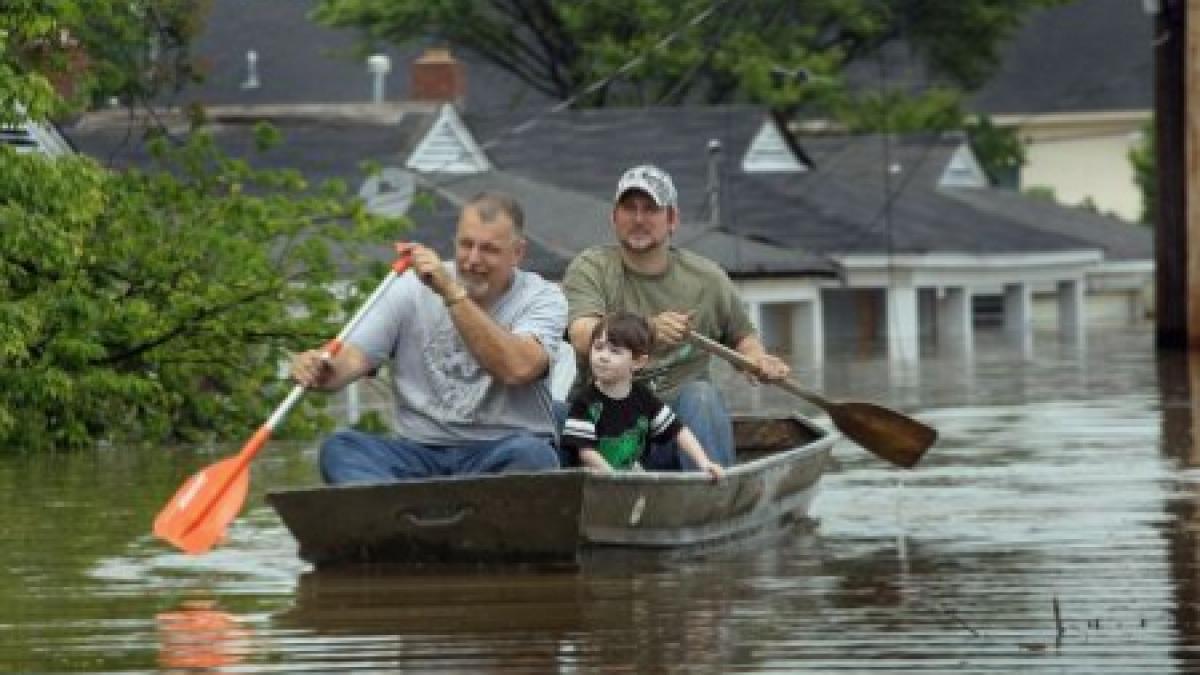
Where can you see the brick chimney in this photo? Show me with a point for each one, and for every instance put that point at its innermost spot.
(437, 76)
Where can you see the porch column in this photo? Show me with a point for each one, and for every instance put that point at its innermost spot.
(808, 332)
(755, 311)
(902, 331)
(1071, 320)
(1018, 315)
(955, 327)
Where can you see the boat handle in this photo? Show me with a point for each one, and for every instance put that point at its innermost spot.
(431, 521)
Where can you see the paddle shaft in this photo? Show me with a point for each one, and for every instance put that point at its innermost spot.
(890, 434)
(740, 360)
(331, 350)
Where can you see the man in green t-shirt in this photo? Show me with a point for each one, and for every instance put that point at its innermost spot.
(676, 291)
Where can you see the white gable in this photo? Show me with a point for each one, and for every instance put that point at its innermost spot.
(963, 170)
(770, 153)
(448, 148)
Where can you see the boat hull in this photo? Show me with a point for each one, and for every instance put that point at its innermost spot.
(562, 517)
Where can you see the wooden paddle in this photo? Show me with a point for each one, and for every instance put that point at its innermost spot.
(196, 517)
(889, 434)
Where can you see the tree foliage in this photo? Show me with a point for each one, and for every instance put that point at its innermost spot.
(778, 52)
(59, 55)
(158, 304)
(153, 304)
(1145, 174)
(999, 150)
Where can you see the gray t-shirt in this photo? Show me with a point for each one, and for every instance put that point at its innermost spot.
(443, 395)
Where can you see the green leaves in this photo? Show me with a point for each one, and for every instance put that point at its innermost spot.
(1145, 172)
(61, 55)
(159, 305)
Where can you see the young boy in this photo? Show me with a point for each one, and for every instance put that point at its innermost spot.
(612, 420)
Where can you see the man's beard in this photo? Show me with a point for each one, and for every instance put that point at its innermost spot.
(474, 285)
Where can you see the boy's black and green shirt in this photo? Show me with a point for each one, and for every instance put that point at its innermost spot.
(618, 428)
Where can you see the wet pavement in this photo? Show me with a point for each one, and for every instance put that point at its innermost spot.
(1052, 529)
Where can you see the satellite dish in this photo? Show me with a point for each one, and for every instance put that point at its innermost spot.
(389, 192)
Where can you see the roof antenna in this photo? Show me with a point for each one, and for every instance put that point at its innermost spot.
(378, 65)
(251, 81)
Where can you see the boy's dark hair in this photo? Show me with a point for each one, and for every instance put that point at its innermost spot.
(627, 330)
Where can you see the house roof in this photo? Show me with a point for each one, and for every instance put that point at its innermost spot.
(566, 221)
(300, 61)
(1085, 56)
(842, 205)
(326, 143)
(564, 166)
(836, 208)
(1119, 239)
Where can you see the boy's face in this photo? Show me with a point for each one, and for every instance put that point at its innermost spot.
(612, 364)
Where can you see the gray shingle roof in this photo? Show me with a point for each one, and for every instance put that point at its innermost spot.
(566, 221)
(1120, 240)
(1086, 56)
(837, 208)
(300, 61)
(321, 148)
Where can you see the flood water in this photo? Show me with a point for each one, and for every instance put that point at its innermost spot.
(1052, 529)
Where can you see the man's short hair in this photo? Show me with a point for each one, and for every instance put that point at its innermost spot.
(489, 204)
(651, 180)
(627, 330)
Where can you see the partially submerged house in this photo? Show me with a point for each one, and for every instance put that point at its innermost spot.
(833, 239)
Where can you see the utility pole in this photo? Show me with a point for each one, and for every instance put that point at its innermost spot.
(1174, 50)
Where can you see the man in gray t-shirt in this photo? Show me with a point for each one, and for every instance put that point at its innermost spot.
(470, 345)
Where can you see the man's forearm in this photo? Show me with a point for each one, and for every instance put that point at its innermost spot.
(580, 334)
(513, 359)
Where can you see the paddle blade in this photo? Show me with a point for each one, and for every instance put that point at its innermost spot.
(891, 435)
(196, 517)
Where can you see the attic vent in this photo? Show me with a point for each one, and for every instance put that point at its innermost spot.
(963, 170)
(770, 153)
(19, 138)
(448, 147)
(30, 137)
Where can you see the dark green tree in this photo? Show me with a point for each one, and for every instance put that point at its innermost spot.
(998, 149)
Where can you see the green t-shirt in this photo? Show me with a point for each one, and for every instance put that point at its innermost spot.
(597, 282)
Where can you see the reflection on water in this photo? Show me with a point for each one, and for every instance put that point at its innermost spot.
(199, 635)
(1052, 529)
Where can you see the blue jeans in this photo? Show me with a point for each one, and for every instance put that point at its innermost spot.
(350, 456)
(700, 407)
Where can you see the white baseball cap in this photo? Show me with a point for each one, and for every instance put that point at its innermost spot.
(651, 180)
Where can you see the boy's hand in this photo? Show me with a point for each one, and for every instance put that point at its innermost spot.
(714, 470)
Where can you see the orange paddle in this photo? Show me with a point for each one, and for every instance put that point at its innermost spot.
(195, 518)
